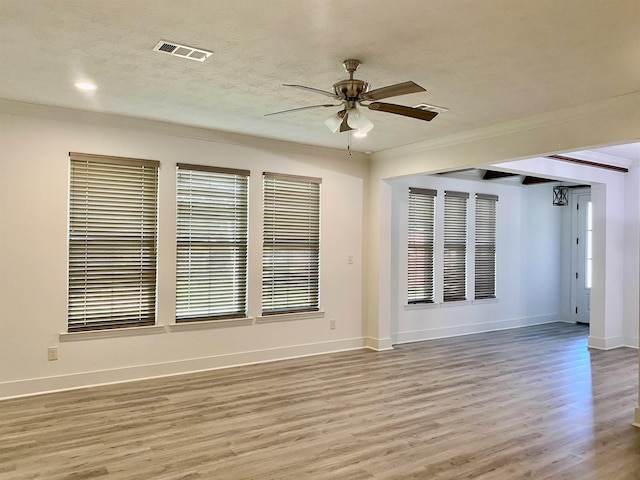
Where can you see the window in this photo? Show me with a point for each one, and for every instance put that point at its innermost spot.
(211, 272)
(291, 244)
(455, 246)
(112, 242)
(420, 247)
(485, 276)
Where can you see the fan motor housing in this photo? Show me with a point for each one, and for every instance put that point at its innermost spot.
(350, 89)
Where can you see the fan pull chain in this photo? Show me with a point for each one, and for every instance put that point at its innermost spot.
(349, 142)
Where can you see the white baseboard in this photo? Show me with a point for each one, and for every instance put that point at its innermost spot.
(631, 342)
(35, 386)
(377, 344)
(608, 343)
(455, 331)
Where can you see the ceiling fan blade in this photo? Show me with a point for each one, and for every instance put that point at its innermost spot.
(392, 91)
(315, 90)
(302, 108)
(402, 110)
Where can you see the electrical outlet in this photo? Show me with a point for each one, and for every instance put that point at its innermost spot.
(332, 324)
(350, 259)
(52, 353)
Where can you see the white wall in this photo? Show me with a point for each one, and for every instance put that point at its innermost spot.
(33, 252)
(631, 275)
(527, 263)
(542, 239)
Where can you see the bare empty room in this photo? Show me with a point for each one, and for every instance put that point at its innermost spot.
(317, 239)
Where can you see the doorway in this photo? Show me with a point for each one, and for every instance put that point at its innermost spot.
(581, 258)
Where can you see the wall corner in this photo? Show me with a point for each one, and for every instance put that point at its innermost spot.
(636, 421)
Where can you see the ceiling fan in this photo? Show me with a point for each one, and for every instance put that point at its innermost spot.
(355, 94)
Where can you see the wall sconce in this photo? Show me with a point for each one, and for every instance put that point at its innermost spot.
(560, 196)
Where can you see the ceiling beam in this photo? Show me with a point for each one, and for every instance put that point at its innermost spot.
(564, 158)
(535, 180)
(492, 174)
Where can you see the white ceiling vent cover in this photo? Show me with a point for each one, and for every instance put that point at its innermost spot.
(182, 51)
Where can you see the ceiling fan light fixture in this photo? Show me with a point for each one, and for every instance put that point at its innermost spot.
(359, 121)
(333, 122)
(360, 134)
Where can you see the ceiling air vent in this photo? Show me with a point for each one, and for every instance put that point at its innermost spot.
(182, 51)
(431, 108)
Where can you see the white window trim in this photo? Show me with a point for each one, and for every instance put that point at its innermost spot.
(422, 197)
(111, 333)
(210, 324)
(449, 194)
(187, 239)
(99, 163)
(272, 232)
(421, 306)
(288, 317)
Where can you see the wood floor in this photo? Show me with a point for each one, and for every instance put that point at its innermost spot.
(531, 403)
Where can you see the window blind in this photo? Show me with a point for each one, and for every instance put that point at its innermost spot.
(112, 242)
(485, 246)
(420, 245)
(455, 246)
(291, 244)
(211, 270)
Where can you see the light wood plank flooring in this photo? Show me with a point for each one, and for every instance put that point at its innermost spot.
(531, 403)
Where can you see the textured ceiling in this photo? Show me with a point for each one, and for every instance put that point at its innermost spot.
(489, 61)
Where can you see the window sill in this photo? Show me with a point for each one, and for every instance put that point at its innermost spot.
(457, 303)
(208, 324)
(421, 306)
(111, 333)
(286, 317)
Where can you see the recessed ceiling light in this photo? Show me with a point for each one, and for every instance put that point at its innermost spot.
(85, 86)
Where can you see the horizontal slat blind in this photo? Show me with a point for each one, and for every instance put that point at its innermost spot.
(291, 244)
(112, 242)
(485, 247)
(211, 271)
(455, 246)
(420, 245)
